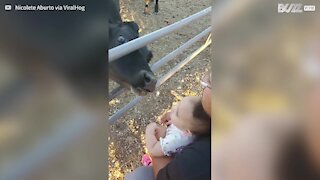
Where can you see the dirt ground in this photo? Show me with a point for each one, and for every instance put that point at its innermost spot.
(126, 141)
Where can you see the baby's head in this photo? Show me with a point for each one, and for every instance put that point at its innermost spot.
(190, 116)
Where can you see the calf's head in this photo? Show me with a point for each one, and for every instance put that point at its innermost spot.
(132, 70)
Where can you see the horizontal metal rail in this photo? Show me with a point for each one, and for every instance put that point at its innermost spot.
(116, 92)
(120, 51)
(136, 100)
(156, 66)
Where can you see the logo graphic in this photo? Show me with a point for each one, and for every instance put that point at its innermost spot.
(309, 8)
(295, 8)
(7, 7)
(290, 8)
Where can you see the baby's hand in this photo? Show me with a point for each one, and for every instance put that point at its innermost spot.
(160, 132)
(151, 128)
(165, 119)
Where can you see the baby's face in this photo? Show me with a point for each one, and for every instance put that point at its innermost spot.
(181, 115)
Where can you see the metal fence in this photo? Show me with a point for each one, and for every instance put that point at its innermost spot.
(71, 130)
(133, 45)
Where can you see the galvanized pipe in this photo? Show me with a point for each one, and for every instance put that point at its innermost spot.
(136, 100)
(156, 66)
(116, 92)
(120, 51)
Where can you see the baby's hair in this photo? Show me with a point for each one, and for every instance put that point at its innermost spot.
(202, 121)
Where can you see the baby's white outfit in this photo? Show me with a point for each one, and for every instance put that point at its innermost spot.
(175, 140)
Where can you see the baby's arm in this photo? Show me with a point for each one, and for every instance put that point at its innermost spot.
(153, 145)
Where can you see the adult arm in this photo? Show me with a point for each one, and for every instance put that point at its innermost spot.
(160, 162)
(194, 162)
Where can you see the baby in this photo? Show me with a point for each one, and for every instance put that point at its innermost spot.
(185, 121)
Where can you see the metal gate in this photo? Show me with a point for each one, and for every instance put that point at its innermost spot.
(133, 45)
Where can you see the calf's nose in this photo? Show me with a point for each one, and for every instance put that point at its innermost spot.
(150, 81)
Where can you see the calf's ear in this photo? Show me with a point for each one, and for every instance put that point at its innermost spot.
(133, 25)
